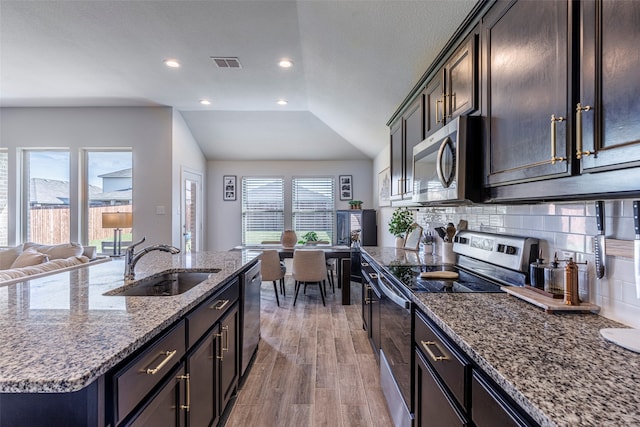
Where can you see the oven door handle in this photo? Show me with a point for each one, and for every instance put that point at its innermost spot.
(393, 296)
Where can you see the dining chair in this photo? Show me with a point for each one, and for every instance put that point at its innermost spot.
(273, 270)
(309, 266)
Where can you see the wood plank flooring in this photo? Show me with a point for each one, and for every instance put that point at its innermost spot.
(314, 366)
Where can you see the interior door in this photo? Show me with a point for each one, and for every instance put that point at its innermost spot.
(191, 218)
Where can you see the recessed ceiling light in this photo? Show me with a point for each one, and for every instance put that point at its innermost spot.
(172, 63)
(205, 102)
(282, 102)
(285, 63)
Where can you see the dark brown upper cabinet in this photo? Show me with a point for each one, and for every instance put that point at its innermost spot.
(526, 78)
(608, 108)
(453, 91)
(405, 134)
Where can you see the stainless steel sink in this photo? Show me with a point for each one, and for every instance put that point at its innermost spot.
(164, 284)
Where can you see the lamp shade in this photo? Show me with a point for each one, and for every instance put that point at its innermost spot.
(117, 219)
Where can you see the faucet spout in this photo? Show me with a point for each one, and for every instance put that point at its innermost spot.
(132, 257)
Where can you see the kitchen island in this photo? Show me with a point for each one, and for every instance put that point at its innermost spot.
(557, 367)
(61, 334)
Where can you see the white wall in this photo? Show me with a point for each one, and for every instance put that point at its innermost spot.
(224, 218)
(147, 130)
(186, 155)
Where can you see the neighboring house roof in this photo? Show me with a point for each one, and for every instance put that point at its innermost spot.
(124, 173)
(121, 195)
(54, 192)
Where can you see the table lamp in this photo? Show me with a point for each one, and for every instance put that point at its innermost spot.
(117, 221)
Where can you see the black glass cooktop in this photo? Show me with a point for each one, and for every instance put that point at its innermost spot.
(466, 282)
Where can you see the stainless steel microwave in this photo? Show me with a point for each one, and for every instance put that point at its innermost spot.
(447, 165)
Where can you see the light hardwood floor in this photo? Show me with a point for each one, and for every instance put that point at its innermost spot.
(314, 366)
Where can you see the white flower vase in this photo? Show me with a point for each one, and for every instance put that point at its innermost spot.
(399, 242)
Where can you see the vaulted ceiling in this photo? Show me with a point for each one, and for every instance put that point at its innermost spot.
(354, 62)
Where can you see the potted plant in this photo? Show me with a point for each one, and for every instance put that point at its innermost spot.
(355, 204)
(400, 221)
(308, 238)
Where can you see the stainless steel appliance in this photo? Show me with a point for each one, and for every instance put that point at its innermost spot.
(250, 312)
(485, 261)
(441, 172)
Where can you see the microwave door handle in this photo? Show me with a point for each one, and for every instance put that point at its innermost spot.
(446, 182)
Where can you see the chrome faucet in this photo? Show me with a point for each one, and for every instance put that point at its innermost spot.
(133, 258)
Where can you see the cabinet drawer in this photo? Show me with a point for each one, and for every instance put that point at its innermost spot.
(490, 408)
(210, 311)
(134, 381)
(452, 367)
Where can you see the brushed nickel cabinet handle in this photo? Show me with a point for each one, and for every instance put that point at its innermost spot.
(426, 344)
(579, 110)
(225, 331)
(373, 275)
(438, 102)
(188, 393)
(554, 120)
(168, 355)
(219, 305)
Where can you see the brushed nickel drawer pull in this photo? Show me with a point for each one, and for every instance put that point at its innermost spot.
(168, 355)
(225, 346)
(426, 344)
(364, 264)
(219, 305)
(554, 158)
(188, 393)
(579, 110)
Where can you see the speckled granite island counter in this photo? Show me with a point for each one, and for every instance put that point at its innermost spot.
(556, 366)
(59, 333)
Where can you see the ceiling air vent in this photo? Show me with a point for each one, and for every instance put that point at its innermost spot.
(226, 62)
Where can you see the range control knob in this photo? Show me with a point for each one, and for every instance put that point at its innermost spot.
(511, 250)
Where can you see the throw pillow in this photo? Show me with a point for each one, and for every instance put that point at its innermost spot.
(61, 251)
(28, 258)
(8, 256)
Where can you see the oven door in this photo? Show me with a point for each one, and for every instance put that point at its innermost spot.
(395, 351)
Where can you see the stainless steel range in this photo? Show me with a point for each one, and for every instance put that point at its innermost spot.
(484, 262)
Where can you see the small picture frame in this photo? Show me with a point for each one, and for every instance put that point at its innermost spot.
(345, 187)
(229, 187)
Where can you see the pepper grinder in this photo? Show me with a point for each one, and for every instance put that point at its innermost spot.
(571, 296)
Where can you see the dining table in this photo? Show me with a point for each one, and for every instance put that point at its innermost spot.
(341, 253)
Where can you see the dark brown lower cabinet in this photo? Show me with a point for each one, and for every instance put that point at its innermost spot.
(229, 366)
(433, 406)
(204, 406)
(490, 408)
(164, 407)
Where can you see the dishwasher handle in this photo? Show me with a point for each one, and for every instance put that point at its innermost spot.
(389, 291)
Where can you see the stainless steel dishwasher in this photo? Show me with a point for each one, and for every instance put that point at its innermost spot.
(250, 312)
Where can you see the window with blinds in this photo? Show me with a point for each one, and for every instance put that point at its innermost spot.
(313, 206)
(262, 209)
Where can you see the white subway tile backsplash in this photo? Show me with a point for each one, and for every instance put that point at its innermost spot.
(563, 227)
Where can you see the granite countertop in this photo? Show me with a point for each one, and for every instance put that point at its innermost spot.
(556, 366)
(59, 333)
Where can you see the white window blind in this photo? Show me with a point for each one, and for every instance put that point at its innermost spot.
(262, 209)
(313, 206)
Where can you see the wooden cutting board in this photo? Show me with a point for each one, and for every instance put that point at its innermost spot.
(550, 305)
(449, 275)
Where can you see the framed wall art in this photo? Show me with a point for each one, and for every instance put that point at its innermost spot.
(345, 186)
(229, 187)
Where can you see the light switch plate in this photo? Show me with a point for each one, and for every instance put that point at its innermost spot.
(160, 210)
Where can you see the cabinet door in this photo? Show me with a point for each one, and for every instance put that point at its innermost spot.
(413, 135)
(610, 84)
(397, 160)
(526, 71)
(434, 104)
(490, 409)
(432, 406)
(462, 80)
(228, 353)
(203, 382)
(164, 409)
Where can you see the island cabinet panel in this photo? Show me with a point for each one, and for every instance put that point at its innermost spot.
(204, 405)
(229, 355)
(610, 85)
(137, 378)
(526, 79)
(164, 408)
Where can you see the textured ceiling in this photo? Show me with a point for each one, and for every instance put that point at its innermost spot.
(354, 62)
